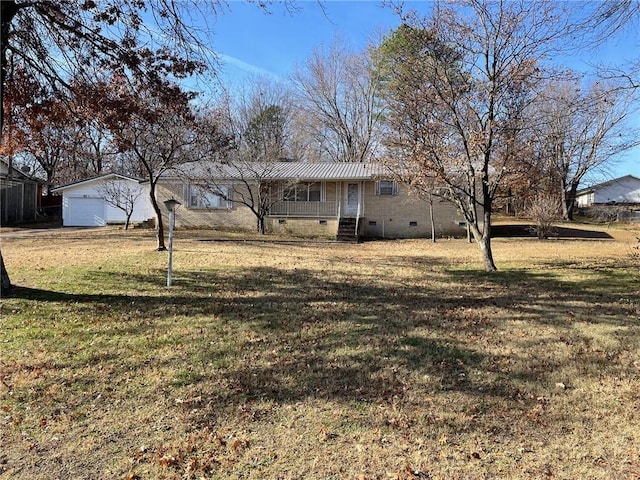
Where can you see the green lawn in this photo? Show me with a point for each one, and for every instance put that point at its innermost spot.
(304, 360)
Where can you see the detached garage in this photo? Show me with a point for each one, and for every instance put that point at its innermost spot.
(103, 200)
(83, 212)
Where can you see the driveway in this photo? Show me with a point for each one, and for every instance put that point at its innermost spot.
(13, 232)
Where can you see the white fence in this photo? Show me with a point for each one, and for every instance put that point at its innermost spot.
(305, 209)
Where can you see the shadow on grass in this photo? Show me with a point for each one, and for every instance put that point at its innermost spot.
(527, 231)
(543, 294)
(297, 334)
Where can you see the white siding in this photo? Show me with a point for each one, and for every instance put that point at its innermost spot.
(585, 199)
(83, 212)
(71, 216)
(621, 190)
(624, 190)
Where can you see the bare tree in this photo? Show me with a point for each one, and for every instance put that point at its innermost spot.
(54, 40)
(94, 149)
(545, 209)
(603, 22)
(158, 130)
(240, 182)
(258, 124)
(458, 84)
(121, 194)
(339, 112)
(607, 19)
(581, 131)
(259, 119)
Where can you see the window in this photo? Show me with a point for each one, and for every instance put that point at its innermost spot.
(303, 192)
(386, 188)
(214, 197)
(314, 192)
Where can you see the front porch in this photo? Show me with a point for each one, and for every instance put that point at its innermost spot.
(320, 200)
(332, 209)
(285, 208)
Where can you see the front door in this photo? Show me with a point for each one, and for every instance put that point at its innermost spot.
(351, 199)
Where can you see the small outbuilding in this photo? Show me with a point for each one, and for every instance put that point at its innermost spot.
(20, 195)
(105, 199)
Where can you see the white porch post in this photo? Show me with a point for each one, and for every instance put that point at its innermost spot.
(339, 188)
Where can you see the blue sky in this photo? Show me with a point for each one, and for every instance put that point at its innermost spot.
(249, 41)
(274, 42)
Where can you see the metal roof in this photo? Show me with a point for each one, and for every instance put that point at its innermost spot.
(280, 171)
(5, 170)
(597, 186)
(97, 177)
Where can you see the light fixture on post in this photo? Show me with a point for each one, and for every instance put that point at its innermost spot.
(171, 205)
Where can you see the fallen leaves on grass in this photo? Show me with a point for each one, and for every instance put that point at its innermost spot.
(408, 473)
(131, 475)
(201, 452)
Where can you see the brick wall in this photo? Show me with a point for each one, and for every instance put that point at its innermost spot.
(304, 227)
(398, 216)
(238, 217)
(407, 216)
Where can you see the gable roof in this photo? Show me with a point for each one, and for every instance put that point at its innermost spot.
(280, 171)
(96, 178)
(15, 172)
(598, 186)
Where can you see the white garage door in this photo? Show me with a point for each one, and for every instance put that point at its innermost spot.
(85, 212)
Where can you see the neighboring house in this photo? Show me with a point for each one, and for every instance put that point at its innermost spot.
(615, 200)
(19, 196)
(343, 200)
(624, 190)
(89, 203)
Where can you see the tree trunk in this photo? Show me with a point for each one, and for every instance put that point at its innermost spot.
(8, 10)
(485, 248)
(565, 211)
(571, 199)
(160, 227)
(483, 239)
(5, 285)
(161, 246)
(487, 255)
(433, 225)
(261, 227)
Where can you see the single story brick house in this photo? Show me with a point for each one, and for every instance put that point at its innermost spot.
(330, 200)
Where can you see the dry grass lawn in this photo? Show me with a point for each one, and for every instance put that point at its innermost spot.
(304, 360)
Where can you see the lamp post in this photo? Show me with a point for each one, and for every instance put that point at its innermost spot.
(171, 205)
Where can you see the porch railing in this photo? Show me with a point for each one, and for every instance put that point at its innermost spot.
(304, 209)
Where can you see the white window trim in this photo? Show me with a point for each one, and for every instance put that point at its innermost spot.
(394, 188)
(285, 188)
(221, 203)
